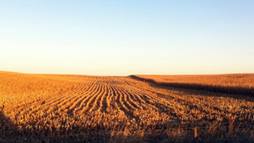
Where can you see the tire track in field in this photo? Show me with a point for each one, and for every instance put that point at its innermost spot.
(155, 102)
(103, 100)
(194, 102)
(84, 101)
(96, 103)
(187, 103)
(123, 106)
(92, 98)
(132, 100)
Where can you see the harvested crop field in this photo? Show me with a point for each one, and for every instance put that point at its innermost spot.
(226, 80)
(66, 108)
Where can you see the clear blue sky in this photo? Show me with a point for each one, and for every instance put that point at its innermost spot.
(121, 37)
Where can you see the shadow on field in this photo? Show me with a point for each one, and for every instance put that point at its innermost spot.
(7, 128)
(233, 92)
(221, 132)
(9, 133)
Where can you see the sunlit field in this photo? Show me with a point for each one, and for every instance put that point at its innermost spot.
(72, 108)
(126, 71)
(226, 80)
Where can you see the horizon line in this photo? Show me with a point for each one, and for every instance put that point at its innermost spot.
(152, 74)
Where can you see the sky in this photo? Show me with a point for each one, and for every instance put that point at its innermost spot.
(123, 37)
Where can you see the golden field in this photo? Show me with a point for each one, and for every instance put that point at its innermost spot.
(226, 80)
(70, 108)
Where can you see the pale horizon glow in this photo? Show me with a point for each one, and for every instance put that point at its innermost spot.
(119, 37)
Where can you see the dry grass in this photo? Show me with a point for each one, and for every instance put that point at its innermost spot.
(226, 80)
(239, 84)
(59, 108)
